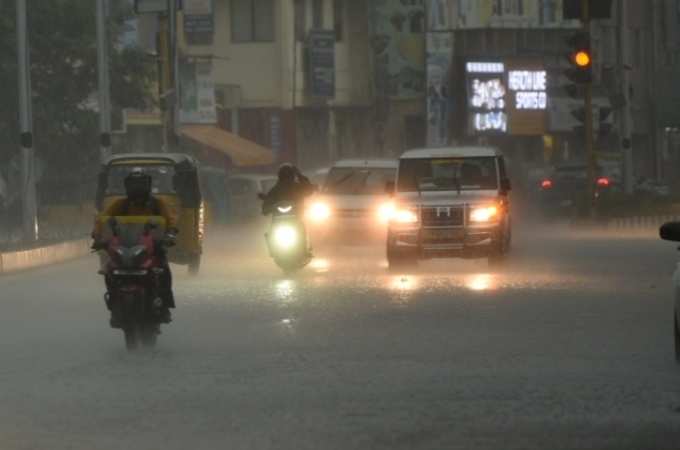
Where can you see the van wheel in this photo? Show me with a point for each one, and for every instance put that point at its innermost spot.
(195, 265)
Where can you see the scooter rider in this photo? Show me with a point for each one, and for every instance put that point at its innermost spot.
(292, 186)
(139, 201)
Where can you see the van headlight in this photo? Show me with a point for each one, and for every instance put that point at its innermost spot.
(285, 236)
(405, 216)
(319, 212)
(484, 214)
(386, 212)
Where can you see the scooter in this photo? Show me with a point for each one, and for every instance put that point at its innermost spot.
(287, 238)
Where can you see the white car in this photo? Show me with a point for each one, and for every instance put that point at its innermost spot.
(671, 232)
(353, 200)
(450, 202)
(242, 190)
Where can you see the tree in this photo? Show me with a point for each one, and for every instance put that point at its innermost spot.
(64, 82)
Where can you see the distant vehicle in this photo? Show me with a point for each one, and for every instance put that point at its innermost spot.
(318, 177)
(450, 202)
(562, 193)
(671, 232)
(175, 179)
(243, 189)
(352, 201)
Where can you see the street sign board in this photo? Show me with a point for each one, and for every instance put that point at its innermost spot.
(199, 23)
(322, 63)
(151, 6)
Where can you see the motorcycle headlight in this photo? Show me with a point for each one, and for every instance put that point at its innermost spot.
(285, 236)
(319, 212)
(484, 214)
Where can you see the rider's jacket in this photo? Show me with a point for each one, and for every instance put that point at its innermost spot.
(294, 192)
(152, 207)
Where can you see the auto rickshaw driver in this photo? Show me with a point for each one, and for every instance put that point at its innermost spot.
(139, 201)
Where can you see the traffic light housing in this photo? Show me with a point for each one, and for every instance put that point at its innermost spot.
(598, 9)
(580, 58)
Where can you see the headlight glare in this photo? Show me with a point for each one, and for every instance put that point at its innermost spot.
(483, 214)
(386, 212)
(405, 216)
(319, 212)
(285, 236)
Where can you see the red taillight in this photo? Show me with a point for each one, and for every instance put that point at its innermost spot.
(546, 184)
(603, 182)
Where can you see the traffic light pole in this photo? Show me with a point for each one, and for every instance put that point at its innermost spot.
(29, 207)
(588, 121)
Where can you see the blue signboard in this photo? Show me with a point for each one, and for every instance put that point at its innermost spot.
(321, 46)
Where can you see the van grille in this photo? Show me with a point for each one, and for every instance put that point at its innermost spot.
(443, 216)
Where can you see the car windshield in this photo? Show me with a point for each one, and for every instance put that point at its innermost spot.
(161, 176)
(358, 181)
(448, 174)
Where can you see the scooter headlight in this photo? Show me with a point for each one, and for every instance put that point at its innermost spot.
(285, 237)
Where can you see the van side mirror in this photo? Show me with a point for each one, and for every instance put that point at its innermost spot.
(670, 231)
(389, 188)
(506, 186)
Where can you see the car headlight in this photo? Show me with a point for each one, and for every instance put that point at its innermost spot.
(285, 236)
(483, 214)
(386, 212)
(405, 216)
(319, 212)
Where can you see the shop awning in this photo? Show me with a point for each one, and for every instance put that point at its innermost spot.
(241, 151)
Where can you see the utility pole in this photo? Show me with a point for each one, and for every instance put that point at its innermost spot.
(104, 82)
(28, 191)
(164, 78)
(588, 119)
(174, 72)
(625, 115)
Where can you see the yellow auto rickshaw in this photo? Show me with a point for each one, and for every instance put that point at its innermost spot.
(175, 180)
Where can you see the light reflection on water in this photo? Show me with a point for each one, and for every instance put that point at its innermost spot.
(286, 290)
(481, 282)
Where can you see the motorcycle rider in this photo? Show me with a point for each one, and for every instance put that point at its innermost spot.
(139, 201)
(292, 186)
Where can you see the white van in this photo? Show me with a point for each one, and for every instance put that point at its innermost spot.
(450, 202)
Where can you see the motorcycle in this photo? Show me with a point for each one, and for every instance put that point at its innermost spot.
(134, 271)
(287, 238)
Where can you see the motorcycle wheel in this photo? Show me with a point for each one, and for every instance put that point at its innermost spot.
(131, 342)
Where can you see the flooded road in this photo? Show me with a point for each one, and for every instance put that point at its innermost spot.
(569, 345)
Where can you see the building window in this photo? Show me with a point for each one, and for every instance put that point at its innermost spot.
(317, 14)
(300, 12)
(339, 19)
(252, 21)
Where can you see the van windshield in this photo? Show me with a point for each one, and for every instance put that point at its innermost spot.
(447, 174)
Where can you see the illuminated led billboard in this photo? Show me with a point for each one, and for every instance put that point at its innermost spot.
(506, 97)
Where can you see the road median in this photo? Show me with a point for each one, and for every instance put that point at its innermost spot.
(19, 260)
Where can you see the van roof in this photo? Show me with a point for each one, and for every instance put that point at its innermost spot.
(369, 163)
(451, 152)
